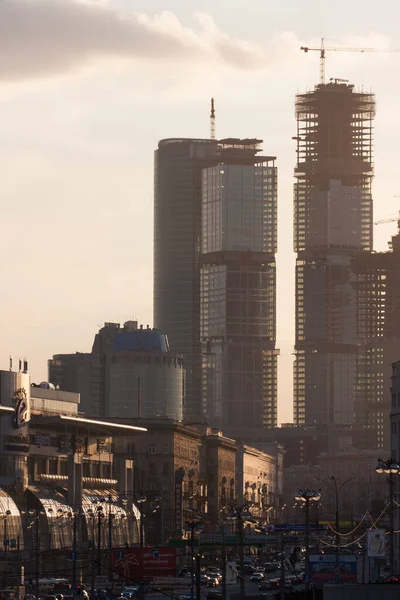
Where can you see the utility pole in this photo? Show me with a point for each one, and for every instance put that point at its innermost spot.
(74, 553)
(93, 558)
(99, 515)
(282, 579)
(237, 513)
(37, 554)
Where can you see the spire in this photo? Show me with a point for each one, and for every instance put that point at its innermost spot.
(212, 120)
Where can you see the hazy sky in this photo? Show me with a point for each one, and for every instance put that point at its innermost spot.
(86, 91)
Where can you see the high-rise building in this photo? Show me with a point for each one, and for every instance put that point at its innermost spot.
(178, 168)
(130, 373)
(378, 330)
(332, 223)
(238, 288)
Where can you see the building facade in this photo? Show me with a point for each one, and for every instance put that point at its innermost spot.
(130, 373)
(178, 165)
(259, 477)
(56, 469)
(238, 289)
(332, 222)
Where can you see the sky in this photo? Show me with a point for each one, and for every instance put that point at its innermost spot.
(87, 88)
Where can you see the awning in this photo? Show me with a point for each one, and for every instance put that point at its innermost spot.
(58, 515)
(11, 525)
(123, 518)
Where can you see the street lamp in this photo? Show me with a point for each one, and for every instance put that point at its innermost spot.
(6, 541)
(192, 527)
(141, 500)
(390, 468)
(35, 514)
(239, 513)
(333, 484)
(221, 524)
(306, 496)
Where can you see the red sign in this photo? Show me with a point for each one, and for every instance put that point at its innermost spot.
(134, 564)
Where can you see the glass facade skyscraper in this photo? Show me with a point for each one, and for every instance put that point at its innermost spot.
(238, 287)
(178, 165)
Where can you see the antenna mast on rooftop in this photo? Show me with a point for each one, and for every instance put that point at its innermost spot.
(212, 120)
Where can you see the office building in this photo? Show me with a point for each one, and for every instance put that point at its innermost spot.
(377, 284)
(130, 373)
(238, 289)
(332, 223)
(178, 165)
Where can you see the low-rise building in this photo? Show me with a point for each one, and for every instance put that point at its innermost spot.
(57, 467)
(259, 480)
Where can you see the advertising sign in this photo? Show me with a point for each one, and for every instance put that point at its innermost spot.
(294, 527)
(230, 576)
(179, 476)
(325, 568)
(376, 543)
(134, 564)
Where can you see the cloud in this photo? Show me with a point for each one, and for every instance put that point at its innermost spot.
(40, 38)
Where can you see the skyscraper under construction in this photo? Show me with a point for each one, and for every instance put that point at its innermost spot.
(332, 223)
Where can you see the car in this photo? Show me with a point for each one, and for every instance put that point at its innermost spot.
(273, 584)
(130, 592)
(256, 576)
(260, 569)
(213, 581)
(269, 567)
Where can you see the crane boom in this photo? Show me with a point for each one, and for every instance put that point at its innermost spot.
(389, 220)
(322, 56)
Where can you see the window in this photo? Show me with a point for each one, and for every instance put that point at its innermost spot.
(152, 449)
(165, 450)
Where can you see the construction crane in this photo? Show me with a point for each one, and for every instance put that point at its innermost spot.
(212, 120)
(322, 55)
(389, 220)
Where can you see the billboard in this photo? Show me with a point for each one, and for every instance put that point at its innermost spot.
(376, 543)
(134, 564)
(328, 568)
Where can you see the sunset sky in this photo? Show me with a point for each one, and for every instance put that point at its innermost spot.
(87, 89)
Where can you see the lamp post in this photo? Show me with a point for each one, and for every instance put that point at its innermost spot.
(141, 500)
(6, 541)
(221, 524)
(76, 513)
(306, 496)
(100, 515)
(238, 513)
(92, 514)
(334, 485)
(390, 468)
(192, 527)
(35, 513)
